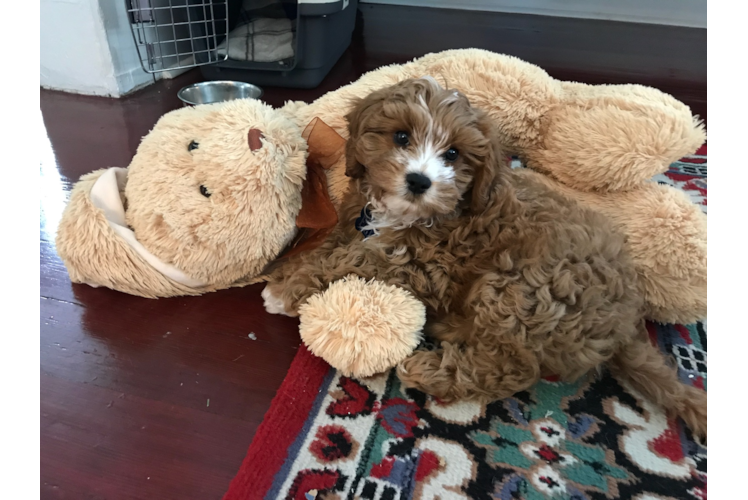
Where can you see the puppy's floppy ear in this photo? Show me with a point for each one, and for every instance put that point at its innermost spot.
(494, 165)
(353, 168)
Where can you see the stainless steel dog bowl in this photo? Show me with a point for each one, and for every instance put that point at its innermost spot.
(218, 91)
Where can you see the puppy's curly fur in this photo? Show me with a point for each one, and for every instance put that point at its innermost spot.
(519, 282)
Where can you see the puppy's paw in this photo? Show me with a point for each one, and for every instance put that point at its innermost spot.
(274, 304)
(422, 371)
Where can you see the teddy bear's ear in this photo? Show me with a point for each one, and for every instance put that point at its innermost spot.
(613, 138)
(94, 253)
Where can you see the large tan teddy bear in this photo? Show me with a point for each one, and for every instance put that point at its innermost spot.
(217, 193)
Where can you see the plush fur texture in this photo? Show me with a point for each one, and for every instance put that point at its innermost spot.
(597, 144)
(519, 282)
(362, 327)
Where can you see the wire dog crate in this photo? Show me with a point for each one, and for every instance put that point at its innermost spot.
(292, 43)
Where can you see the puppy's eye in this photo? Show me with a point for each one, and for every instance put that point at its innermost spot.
(192, 146)
(451, 154)
(401, 138)
(204, 191)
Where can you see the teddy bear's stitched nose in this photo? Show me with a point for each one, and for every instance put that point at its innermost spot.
(254, 137)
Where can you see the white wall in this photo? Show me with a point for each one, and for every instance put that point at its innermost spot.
(691, 13)
(74, 51)
(86, 48)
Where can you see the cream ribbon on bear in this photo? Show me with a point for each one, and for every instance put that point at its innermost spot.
(105, 195)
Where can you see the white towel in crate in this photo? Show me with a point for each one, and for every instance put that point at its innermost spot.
(261, 40)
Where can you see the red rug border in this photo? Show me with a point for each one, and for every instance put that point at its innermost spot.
(281, 424)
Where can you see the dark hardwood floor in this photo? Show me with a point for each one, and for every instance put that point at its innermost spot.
(159, 399)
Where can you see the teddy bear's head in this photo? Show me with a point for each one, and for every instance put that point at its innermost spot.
(214, 190)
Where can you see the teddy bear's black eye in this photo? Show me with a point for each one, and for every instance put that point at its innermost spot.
(204, 191)
(193, 145)
(451, 154)
(401, 138)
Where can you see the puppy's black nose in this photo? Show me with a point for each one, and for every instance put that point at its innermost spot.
(417, 183)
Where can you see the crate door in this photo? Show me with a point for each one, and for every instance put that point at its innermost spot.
(177, 34)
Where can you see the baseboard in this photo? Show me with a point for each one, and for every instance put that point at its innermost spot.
(97, 91)
(132, 80)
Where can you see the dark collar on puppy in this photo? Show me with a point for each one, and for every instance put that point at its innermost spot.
(363, 220)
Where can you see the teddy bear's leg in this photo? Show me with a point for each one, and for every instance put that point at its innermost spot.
(613, 138)
(666, 238)
(459, 371)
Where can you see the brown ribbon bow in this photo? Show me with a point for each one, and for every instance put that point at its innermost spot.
(317, 217)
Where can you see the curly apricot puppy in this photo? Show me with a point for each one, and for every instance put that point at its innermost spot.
(518, 282)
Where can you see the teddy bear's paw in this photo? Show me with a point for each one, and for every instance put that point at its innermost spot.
(273, 304)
